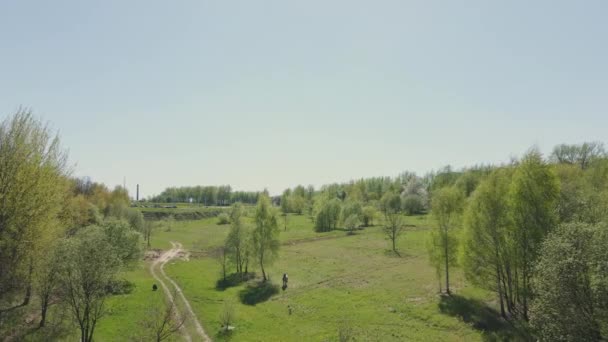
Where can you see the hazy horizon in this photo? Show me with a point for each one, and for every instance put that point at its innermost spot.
(274, 94)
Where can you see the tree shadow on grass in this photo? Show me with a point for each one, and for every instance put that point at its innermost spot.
(233, 280)
(483, 318)
(257, 292)
(395, 254)
(222, 335)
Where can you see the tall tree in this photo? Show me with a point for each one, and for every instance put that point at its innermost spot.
(393, 219)
(265, 235)
(236, 239)
(368, 214)
(161, 322)
(285, 205)
(571, 284)
(89, 265)
(33, 188)
(582, 155)
(327, 214)
(447, 206)
(486, 254)
(533, 194)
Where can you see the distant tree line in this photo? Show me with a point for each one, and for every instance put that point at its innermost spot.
(222, 195)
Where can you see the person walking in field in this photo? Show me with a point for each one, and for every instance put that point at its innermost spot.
(285, 280)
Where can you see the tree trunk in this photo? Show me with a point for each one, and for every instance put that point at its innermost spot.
(525, 278)
(500, 296)
(43, 308)
(90, 338)
(262, 266)
(438, 270)
(28, 288)
(447, 266)
(28, 294)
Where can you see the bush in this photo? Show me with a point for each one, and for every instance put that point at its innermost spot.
(227, 317)
(119, 287)
(351, 223)
(370, 213)
(223, 218)
(413, 204)
(328, 216)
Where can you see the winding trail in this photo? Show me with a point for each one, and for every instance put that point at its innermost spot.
(159, 264)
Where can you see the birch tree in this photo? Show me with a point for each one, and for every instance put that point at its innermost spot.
(265, 235)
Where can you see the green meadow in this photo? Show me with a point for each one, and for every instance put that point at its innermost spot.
(338, 284)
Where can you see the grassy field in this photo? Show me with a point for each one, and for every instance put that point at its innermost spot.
(125, 313)
(337, 283)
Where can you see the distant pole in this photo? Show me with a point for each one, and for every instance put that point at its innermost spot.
(137, 194)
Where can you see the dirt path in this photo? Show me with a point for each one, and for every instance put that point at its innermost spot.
(159, 264)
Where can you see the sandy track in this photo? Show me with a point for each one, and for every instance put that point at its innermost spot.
(159, 264)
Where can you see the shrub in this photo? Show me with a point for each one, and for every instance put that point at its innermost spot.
(351, 223)
(223, 218)
(413, 204)
(119, 287)
(227, 317)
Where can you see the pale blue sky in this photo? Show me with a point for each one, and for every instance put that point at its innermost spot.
(276, 93)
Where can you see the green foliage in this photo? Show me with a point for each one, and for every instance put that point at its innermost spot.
(47, 278)
(227, 317)
(89, 266)
(294, 201)
(413, 204)
(571, 285)
(265, 235)
(583, 194)
(414, 197)
(135, 219)
(390, 203)
(328, 214)
(223, 218)
(368, 215)
(533, 198)
(238, 239)
(33, 187)
(124, 241)
(486, 252)
(581, 155)
(285, 199)
(352, 222)
(352, 208)
(222, 195)
(447, 207)
(393, 220)
(119, 287)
